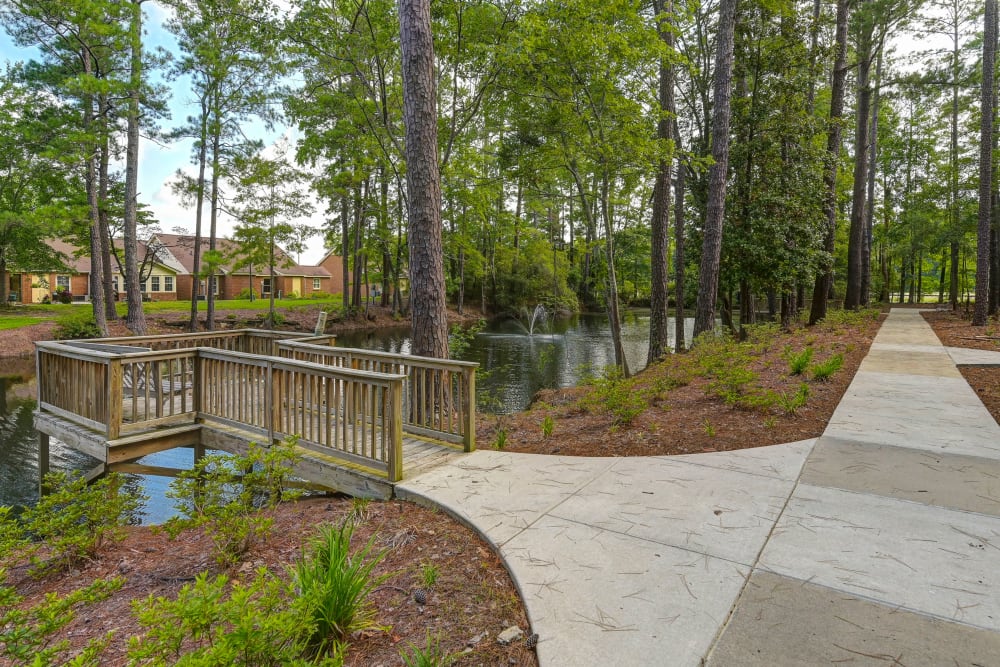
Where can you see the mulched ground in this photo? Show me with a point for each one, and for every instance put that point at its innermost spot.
(473, 599)
(955, 329)
(689, 419)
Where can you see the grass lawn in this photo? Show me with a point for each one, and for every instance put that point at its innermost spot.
(18, 321)
(330, 303)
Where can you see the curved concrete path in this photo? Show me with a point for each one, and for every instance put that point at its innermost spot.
(876, 544)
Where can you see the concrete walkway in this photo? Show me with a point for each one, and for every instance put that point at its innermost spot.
(876, 544)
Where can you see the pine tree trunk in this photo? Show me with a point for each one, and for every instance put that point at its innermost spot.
(199, 204)
(103, 186)
(866, 246)
(213, 214)
(679, 258)
(824, 281)
(979, 314)
(96, 246)
(855, 243)
(136, 318)
(659, 325)
(423, 182)
(711, 250)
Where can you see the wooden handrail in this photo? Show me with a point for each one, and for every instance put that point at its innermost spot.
(344, 413)
(439, 397)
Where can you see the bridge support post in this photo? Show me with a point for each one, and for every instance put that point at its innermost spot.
(43, 461)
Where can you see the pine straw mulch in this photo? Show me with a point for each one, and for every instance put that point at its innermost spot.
(954, 329)
(470, 603)
(690, 418)
(474, 599)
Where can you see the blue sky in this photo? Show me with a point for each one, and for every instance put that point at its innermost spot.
(158, 164)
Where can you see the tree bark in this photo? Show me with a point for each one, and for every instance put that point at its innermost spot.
(824, 281)
(423, 181)
(659, 325)
(199, 204)
(96, 245)
(135, 320)
(866, 247)
(708, 278)
(979, 314)
(855, 243)
(679, 258)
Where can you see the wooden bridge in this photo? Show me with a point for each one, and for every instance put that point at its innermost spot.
(363, 419)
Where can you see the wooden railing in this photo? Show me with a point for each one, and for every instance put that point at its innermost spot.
(353, 416)
(250, 341)
(439, 398)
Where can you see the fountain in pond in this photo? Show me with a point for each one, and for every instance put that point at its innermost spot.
(539, 315)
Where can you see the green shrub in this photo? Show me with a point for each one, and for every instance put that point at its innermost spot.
(334, 585)
(618, 396)
(430, 655)
(76, 324)
(321, 295)
(500, 439)
(214, 623)
(731, 383)
(826, 369)
(548, 425)
(74, 520)
(216, 495)
(428, 574)
(797, 363)
(247, 293)
(26, 632)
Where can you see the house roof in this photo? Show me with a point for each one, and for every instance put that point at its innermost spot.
(74, 264)
(182, 248)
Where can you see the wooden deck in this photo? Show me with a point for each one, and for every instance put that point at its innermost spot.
(359, 430)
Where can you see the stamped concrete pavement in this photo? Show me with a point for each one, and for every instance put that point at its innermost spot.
(878, 543)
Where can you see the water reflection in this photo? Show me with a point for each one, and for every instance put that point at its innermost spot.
(19, 449)
(514, 365)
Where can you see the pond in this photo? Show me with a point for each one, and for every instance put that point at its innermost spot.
(514, 365)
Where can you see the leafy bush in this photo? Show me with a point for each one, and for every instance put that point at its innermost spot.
(460, 338)
(548, 425)
(334, 585)
(215, 494)
(63, 295)
(321, 295)
(825, 370)
(77, 324)
(74, 519)
(618, 396)
(212, 623)
(26, 631)
(797, 363)
(247, 293)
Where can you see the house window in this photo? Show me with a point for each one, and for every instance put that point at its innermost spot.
(62, 283)
(316, 284)
(168, 283)
(155, 283)
(265, 286)
(215, 286)
(114, 283)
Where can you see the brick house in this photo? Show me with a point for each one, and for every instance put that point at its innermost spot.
(235, 281)
(41, 283)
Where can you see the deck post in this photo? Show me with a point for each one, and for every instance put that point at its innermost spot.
(272, 399)
(469, 410)
(394, 464)
(116, 398)
(43, 461)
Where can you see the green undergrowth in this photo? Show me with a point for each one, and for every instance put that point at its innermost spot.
(731, 370)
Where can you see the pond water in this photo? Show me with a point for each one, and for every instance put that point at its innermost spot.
(514, 365)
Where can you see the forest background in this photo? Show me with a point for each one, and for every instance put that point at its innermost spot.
(577, 144)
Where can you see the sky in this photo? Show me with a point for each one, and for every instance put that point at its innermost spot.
(159, 163)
